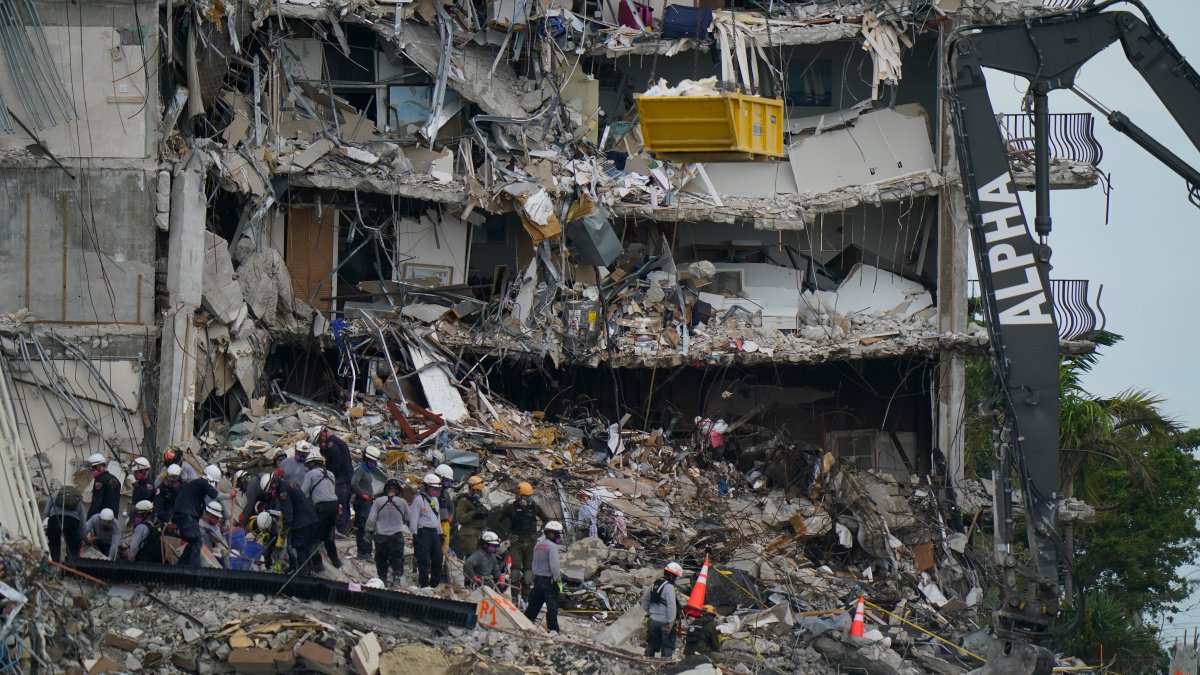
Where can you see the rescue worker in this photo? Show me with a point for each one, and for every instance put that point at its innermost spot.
(146, 545)
(362, 484)
(425, 525)
(446, 504)
(341, 464)
(519, 520)
(387, 521)
(662, 607)
(64, 520)
(586, 517)
(106, 489)
(103, 532)
(481, 566)
(210, 531)
(143, 487)
(265, 526)
(173, 456)
(547, 578)
(318, 487)
(190, 503)
(299, 519)
(277, 460)
(702, 635)
(167, 492)
(471, 517)
(296, 466)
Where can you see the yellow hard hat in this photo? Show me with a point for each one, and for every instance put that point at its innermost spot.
(475, 483)
(524, 489)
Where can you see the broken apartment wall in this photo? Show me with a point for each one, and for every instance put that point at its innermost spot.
(97, 414)
(312, 244)
(433, 245)
(109, 69)
(79, 250)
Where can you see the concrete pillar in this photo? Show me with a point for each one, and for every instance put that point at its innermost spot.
(185, 282)
(953, 266)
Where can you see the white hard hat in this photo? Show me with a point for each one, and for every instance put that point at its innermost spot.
(553, 526)
(490, 537)
(238, 475)
(107, 515)
(315, 457)
(174, 470)
(140, 463)
(432, 479)
(215, 509)
(143, 506)
(444, 471)
(372, 453)
(304, 447)
(375, 582)
(264, 482)
(674, 568)
(315, 431)
(97, 458)
(263, 521)
(212, 474)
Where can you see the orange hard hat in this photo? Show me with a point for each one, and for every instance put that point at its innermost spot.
(524, 489)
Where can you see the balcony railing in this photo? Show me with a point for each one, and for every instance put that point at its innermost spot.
(1067, 4)
(1071, 138)
(1075, 312)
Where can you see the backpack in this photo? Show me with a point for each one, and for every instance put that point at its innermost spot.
(68, 498)
(656, 595)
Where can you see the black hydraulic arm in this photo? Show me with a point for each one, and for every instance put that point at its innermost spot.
(1014, 266)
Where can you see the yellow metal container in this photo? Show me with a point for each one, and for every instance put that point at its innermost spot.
(728, 127)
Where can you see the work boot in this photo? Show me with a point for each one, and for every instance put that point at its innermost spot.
(366, 557)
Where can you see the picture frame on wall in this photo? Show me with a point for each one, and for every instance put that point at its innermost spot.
(427, 275)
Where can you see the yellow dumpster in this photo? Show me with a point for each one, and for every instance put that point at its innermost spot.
(729, 127)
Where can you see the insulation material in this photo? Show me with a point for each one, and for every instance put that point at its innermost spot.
(435, 244)
(880, 146)
(705, 87)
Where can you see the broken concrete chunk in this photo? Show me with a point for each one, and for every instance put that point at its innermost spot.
(312, 153)
(366, 655)
(414, 659)
(252, 660)
(624, 629)
(314, 657)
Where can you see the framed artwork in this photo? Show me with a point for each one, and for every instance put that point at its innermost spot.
(428, 275)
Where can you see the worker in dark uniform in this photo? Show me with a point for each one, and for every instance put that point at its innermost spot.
(190, 503)
(340, 462)
(482, 567)
(166, 493)
(299, 522)
(64, 520)
(106, 489)
(146, 545)
(425, 525)
(318, 486)
(362, 486)
(143, 485)
(547, 578)
(703, 636)
(519, 522)
(471, 517)
(173, 456)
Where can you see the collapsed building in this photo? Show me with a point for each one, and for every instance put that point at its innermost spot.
(497, 213)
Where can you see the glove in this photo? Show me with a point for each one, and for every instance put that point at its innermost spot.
(365, 497)
(559, 586)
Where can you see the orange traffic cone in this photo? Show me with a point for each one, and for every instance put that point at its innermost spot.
(856, 628)
(695, 606)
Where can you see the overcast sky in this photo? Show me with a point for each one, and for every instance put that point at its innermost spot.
(1148, 255)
